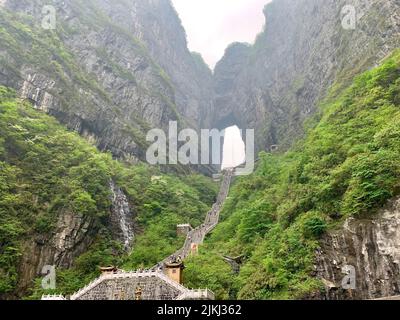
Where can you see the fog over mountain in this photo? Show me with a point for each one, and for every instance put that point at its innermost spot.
(227, 21)
(85, 216)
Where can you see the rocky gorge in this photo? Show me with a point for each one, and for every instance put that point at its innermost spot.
(114, 69)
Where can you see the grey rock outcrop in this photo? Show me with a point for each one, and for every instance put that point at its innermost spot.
(226, 74)
(157, 25)
(372, 247)
(139, 73)
(119, 69)
(113, 69)
(71, 237)
(303, 50)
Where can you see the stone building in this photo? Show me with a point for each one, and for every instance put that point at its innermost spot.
(146, 285)
(163, 281)
(174, 271)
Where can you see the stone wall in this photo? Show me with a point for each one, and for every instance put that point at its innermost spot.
(153, 288)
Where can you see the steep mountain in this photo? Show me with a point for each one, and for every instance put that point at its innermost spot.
(127, 62)
(110, 70)
(276, 84)
(65, 204)
(328, 205)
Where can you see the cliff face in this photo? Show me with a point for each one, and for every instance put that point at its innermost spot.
(158, 26)
(371, 247)
(72, 236)
(111, 70)
(302, 52)
(226, 74)
(114, 69)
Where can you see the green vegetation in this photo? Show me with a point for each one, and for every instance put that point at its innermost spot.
(25, 43)
(167, 201)
(46, 171)
(348, 165)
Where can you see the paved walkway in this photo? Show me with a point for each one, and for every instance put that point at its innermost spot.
(197, 236)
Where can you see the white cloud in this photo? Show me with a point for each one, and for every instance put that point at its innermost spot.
(211, 25)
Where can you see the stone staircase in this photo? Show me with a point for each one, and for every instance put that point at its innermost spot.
(122, 286)
(197, 235)
(156, 285)
(127, 282)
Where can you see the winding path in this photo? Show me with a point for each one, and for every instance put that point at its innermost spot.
(197, 236)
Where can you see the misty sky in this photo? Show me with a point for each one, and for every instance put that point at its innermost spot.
(234, 149)
(211, 25)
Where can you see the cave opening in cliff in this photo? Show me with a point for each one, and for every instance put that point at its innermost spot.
(233, 150)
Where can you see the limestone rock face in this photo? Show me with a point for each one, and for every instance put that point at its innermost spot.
(71, 237)
(157, 25)
(372, 248)
(139, 73)
(113, 69)
(122, 68)
(276, 84)
(226, 74)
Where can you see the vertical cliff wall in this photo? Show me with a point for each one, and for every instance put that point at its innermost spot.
(276, 84)
(71, 237)
(372, 247)
(111, 70)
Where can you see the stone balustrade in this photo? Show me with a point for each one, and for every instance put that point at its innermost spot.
(197, 235)
(122, 286)
(199, 294)
(54, 297)
(153, 283)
